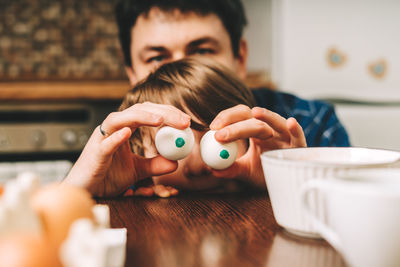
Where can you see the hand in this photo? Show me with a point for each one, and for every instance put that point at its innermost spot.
(107, 167)
(266, 130)
(153, 190)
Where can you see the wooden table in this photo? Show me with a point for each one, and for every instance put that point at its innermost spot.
(212, 230)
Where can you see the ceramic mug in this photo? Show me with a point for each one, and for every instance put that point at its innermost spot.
(363, 215)
(286, 170)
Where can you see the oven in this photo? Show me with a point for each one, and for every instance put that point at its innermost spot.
(46, 137)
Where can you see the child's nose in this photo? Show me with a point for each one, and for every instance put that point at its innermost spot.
(195, 166)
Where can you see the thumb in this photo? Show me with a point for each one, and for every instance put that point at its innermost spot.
(112, 142)
(148, 167)
(298, 138)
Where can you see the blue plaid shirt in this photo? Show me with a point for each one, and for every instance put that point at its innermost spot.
(318, 119)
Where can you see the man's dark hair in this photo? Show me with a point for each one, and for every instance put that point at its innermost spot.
(231, 13)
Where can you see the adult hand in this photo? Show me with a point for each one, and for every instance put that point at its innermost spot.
(266, 130)
(107, 167)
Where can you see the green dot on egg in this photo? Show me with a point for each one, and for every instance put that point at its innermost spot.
(224, 154)
(179, 142)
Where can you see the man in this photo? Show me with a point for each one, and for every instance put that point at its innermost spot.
(154, 32)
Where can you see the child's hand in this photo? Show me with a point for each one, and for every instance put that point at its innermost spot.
(153, 190)
(265, 129)
(107, 167)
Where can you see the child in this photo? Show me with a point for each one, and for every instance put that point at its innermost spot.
(184, 93)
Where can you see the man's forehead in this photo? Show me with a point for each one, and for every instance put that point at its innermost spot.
(168, 15)
(159, 28)
(159, 18)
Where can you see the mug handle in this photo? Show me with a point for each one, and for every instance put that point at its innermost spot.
(323, 229)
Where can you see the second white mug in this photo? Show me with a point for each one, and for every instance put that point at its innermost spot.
(363, 215)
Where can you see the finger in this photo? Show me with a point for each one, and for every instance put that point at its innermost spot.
(146, 114)
(158, 165)
(112, 142)
(298, 140)
(118, 120)
(129, 193)
(172, 116)
(144, 191)
(276, 121)
(173, 191)
(231, 115)
(161, 191)
(245, 129)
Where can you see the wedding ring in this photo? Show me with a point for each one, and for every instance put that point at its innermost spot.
(102, 131)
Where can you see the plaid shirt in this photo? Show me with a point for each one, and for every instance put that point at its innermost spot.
(318, 119)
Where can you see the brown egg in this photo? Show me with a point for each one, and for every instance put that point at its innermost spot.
(59, 205)
(27, 250)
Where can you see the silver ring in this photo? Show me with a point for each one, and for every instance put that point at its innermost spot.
(103, 133)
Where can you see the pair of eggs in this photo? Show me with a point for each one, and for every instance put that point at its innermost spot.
(175, 144)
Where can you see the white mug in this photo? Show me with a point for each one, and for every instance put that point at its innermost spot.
(286, 170)
(362, 215)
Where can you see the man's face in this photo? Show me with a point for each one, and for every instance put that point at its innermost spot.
(162, 37)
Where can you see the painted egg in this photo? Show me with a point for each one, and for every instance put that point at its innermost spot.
(215, 154)
(174, 144)
(59, 205)
(27, 250)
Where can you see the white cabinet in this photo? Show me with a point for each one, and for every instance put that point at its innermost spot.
(346, 50)
(361, 36)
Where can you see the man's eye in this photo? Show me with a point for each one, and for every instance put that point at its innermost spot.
(156, 59)
(203, 51)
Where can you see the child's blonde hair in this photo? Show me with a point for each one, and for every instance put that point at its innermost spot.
(202, 87)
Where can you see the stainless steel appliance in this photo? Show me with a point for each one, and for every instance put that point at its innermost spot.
(46, 137)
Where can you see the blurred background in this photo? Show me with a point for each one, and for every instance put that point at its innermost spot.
(61, 68)
(344, 52)
(75, 40)
(53, 40)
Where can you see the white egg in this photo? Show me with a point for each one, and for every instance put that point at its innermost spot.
(174, 144)
(215, 154)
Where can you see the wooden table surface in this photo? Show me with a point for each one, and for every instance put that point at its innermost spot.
(212, 230)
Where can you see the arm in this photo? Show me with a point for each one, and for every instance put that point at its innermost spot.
(329, 132)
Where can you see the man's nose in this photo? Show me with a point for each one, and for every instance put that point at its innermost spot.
(178, 55)
(195, 167)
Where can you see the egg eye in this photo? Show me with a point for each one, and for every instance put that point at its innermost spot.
(224, 154)
(174, 144)
(215, 154)
(179, 142)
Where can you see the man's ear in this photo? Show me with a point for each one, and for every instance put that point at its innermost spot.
(242, 59)
(131, 75)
